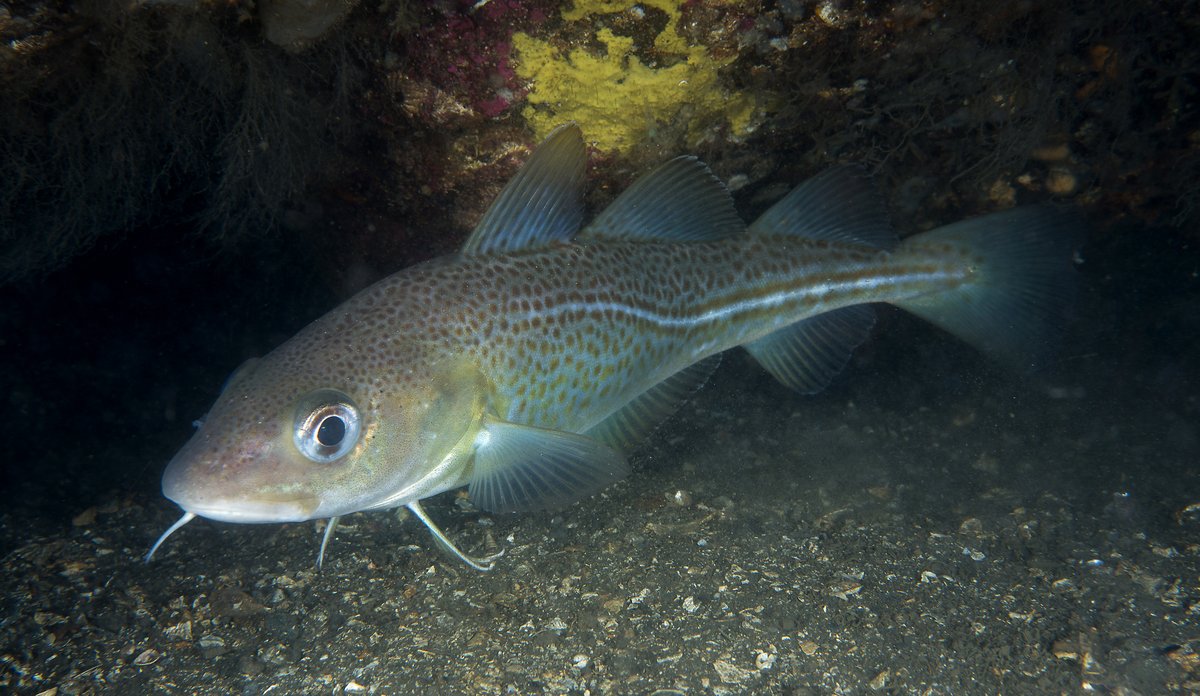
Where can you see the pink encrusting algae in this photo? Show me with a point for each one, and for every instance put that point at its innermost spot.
(467, 55)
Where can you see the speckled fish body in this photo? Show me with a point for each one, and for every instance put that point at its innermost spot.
(565, 348)
(524, 366)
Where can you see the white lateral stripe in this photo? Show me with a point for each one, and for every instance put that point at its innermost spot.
(742, 306)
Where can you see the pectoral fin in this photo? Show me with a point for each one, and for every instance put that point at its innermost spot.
(520, 467)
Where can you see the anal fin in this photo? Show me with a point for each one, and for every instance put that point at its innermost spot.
(630, 424)
(806, 355)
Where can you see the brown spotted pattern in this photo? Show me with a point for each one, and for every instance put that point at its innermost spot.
(556, 337)
(568, 334)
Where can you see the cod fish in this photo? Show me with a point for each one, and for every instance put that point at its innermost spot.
(525, 366)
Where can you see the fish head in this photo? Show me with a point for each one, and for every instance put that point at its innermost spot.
(310, 432)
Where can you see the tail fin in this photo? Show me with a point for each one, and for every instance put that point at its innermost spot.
(1022, 290)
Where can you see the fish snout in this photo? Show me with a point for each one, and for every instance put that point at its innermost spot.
(247, 483)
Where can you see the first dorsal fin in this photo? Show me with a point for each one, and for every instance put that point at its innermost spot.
(681, 201)
(543, 202)
(840, 205)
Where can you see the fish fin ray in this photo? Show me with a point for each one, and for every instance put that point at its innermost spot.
(187, 517)
(680, 201)
(330, 525)
(480, 563)
(1022, 290)
(543, 202)
(521, 467)
(630, 424)
(840, 204)
(807, 355)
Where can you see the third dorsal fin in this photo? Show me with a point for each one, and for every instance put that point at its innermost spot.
(840, 204)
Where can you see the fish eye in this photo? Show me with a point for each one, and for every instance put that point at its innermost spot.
(327, 425)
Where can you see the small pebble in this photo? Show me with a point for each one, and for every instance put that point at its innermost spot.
(764, 661)
(147, 657)
(680, 497)
(1061, 181)
(881, 680)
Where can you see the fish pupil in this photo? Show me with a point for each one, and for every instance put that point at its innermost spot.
(331, 431)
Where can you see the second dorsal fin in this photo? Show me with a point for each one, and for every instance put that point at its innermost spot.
(543, 203)
(680, 201)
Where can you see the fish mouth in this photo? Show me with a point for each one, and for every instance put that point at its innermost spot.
(295, 509)
(239, 500)
(250, 512)
(248, 485)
